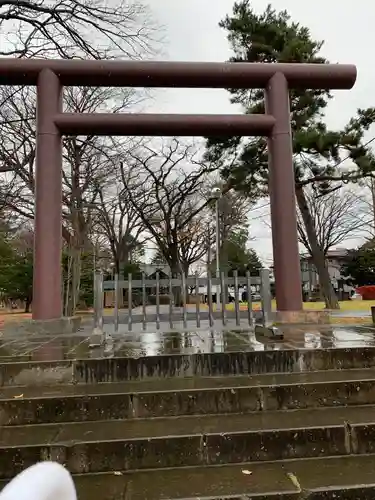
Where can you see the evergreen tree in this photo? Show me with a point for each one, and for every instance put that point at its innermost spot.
(16, 269)
(272, 37)
(237, 256)
(360, 269)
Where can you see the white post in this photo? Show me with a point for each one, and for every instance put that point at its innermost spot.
(217, 211)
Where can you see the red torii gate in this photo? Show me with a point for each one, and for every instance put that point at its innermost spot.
(51, 75)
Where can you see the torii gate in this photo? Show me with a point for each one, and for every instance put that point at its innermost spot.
(51, 75)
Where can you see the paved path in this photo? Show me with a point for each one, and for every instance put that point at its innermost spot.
(153, 343)
(351, 314)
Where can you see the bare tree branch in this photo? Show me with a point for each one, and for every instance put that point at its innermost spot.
(335, 216)
(165, 188)
(71, 28)
(120, 224)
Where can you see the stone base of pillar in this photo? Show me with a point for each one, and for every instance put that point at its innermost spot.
(302, 318)
(59, 326)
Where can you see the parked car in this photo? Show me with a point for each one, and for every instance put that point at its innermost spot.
(355, 295)
(255, 297)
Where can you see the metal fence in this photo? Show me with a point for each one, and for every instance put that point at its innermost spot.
(133, 304)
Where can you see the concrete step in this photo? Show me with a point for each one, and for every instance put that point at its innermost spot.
(185, 396)
(339, 478)
(190, 441)
(182, 426)
(176, 365)
(193, 382)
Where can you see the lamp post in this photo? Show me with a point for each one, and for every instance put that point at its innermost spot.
(216, 194)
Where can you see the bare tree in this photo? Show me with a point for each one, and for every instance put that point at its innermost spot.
(67, 28)
(71, 28)
(17, 150)
(335, 217)
(200, 233)
(164, 186)
(323, 222)
(365, 215)
(121, 225)
(233, 210)
(89, 164)
(195, 240)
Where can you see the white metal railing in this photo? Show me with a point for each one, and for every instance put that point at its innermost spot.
(140, 291)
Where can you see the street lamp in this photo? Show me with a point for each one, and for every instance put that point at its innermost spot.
(216, 194)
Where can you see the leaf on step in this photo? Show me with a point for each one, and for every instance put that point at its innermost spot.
(117, 473)
(294, 480)
(18, 397)
(246, 472)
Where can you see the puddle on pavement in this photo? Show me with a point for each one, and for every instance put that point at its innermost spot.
(137, 344)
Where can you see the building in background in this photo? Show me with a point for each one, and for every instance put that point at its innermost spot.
(335, 260)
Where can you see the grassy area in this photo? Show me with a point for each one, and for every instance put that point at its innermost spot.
(357, 320)
(13, 315)
(345, 305)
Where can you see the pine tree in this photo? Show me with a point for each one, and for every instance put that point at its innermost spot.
(272, 37)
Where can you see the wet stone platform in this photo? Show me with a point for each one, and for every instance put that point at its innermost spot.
(188, 415)
(35, 347)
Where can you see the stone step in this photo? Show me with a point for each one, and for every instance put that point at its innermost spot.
(177, 365)
(185, 396)
(339, 478)
(190, 441)
(194, 382)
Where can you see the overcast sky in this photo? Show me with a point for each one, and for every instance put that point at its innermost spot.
(192, 34)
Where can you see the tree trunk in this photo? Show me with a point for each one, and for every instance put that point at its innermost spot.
(317, 253)
(67, 288)
(119, 268)
(76, 281)
(27, 305)
(76, 278)
(177, 290)
(185, 270)
(224, 267)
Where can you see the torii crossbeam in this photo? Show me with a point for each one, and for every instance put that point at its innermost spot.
(51, 75)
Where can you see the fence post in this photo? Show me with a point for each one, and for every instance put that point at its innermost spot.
(236, 301)
(130, 302)
(209, 299)
(265, 291)
(98, 300)
(171, 298)
(197, 301)
(223, 291)
(157, 301)
(144, 317)
(184, 299)
(249, 299)
(116, 303)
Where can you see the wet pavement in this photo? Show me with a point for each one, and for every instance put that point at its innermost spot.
(199, 414)
(34, 347)
(351, 314)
